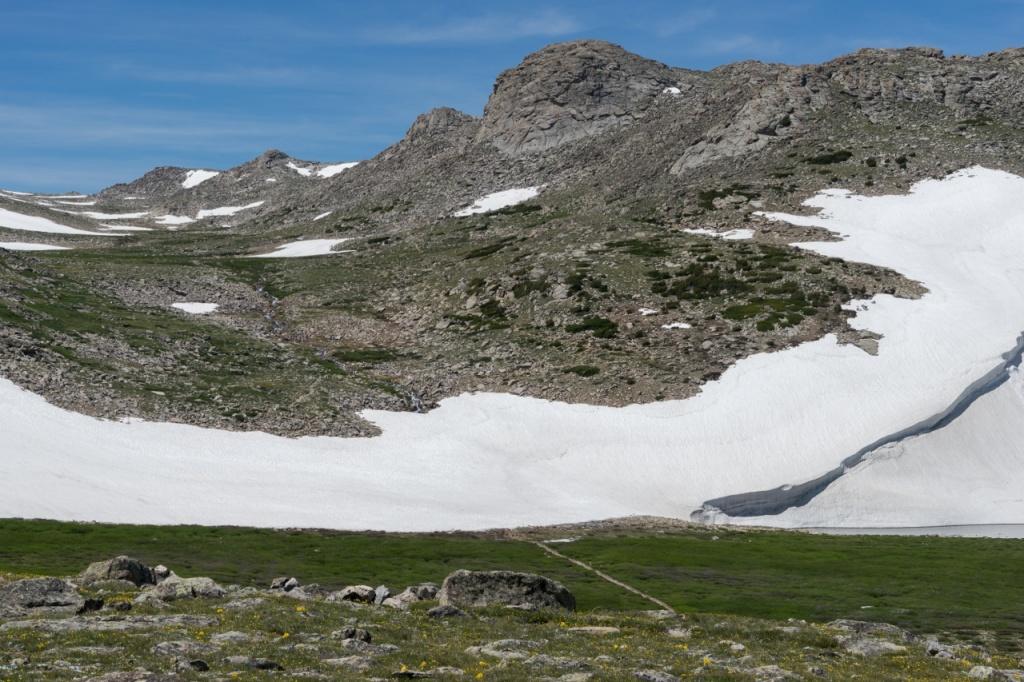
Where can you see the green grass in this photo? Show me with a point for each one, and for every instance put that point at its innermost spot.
(601, 327)
(927, 584)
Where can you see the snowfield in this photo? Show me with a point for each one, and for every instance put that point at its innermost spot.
(193, 178)
(303, 248)
(173, 220)
(31, 246)
(489, 460)
(195, 308)
(333, 169)
(226, 210)
(97, 215)
(32, 223)
(499, 200)
(729, 235)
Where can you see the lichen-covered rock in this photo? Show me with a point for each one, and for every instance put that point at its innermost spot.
(39, 595)
(504, 588)
(176, 587)
(119, 568)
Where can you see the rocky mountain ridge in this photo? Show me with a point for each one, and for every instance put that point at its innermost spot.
(651, 182)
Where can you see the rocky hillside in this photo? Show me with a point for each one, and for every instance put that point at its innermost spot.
(121, 620)
(639, 269)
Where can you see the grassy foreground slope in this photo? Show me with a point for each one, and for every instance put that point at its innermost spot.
(926, 584)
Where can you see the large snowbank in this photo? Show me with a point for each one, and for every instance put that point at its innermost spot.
(303, 248)
(32, 223)
(484, 460)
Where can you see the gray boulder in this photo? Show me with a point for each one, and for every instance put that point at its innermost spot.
(176, 587)
(654, 676)
(119, 568)
(411, 595)
(446, 611)
(504, 588)
(356, 593)
(41, 595)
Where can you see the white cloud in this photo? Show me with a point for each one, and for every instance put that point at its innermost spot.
(685, 22)
(484, 28)
(743, 45)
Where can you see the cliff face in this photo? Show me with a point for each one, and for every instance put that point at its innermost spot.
(573, 90)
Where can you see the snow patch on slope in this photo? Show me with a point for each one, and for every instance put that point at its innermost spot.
(97, 215)
(499, 200)
(226, 210)
(31, 223)
(303, 248)
(333, 169)
(31, 246)
(729, 235)
(305, 172)
(173, 220)
(194, 308)
(194, 178)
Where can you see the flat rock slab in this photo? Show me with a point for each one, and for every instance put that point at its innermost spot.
(595, 630)
(108, 623)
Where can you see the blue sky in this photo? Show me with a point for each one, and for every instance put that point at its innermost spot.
(97, 92)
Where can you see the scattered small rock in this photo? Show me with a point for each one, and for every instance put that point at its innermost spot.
(253, 663)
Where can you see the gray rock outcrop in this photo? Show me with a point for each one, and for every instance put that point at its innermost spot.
(504, 588)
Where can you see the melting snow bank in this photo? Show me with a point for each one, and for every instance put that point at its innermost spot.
(173, 220)
(31, 246)
(303, 248)
(729, 235)
(499, 200)
(226, 210)
(195, 308)
(32, 223)
(770, 420)
(334, 169)
(778, 501)
(198, 177)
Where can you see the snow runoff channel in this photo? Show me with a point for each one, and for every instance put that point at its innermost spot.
(485, 460)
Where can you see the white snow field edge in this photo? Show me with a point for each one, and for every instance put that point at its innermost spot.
(226, 210)
(32, 223)
(194, 308)
(303, 248)
(499, 200)
(31, 246)
(194, 178)
(495, 460)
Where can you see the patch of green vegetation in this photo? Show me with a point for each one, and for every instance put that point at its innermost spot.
(700, 281)
(519, 209)
(600, 327)
(645, 248)
(489, 250)
(928, 584)
(367, 355)
(583, 370)
(829, 158)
